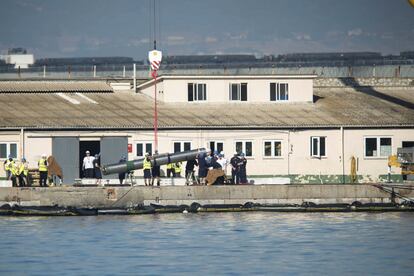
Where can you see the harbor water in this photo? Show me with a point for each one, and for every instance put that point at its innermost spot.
(210, 244)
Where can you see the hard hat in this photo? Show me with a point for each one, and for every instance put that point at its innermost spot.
(222, 153)
(147, 154)
(236, 153)
(44, 155)
(87, 151)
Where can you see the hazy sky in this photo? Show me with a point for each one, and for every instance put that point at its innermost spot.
(71, 28)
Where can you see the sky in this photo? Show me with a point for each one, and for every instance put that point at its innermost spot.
(78, 28)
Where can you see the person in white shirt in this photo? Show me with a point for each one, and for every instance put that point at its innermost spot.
(223, 162)
(87, 166)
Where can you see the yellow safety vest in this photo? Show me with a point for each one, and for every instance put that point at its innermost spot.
(178, 167)
(42, 165)
(170, 166)
(23, 169)
(147, 164)
(9, 164)
(14, 171)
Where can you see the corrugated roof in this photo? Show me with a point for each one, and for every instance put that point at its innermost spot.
(126, 110)
(53, 86)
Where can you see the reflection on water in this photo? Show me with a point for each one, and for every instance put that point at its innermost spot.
(217, 243)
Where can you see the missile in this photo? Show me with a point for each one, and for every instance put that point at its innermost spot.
(159, 159)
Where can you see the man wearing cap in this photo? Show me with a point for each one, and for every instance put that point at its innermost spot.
(121, 175)
(234, 162)
(242, 169)
(23, 172)
(87, 166)
(8, 164)
(43, 170)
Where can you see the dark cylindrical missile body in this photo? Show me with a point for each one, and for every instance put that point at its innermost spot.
(159, 159)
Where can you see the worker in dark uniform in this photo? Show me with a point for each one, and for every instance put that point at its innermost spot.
(242, 169)
(234, 162)
(156, 172)
(121, 176)
(202, 166)
(189, 171)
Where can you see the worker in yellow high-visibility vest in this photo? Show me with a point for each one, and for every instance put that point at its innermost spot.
(43, 170)
(23, 173)
(147, 169)
(170, 170)
(14, 174)
(8, 164)
(177, 169)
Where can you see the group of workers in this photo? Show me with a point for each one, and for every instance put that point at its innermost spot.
(208, 162)
(18, 172)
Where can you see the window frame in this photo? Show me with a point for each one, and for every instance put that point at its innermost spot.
(318, 155)
(238, 92)
(244, 147)
(182, 145)
(215, 145)
(378, 144)
(195, 91)
(277, 92)
(144, 147)
(8, 144)
(272, 149)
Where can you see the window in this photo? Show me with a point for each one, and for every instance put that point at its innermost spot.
(238, 92)
(197, 92)
(182, 146)
(7, 149)
(318, 146)
(279, 92)
(218, 146)
(140, 147)
(244, 146)
(378, 147)
(272, 148)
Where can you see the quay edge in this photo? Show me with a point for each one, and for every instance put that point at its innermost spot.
(126, 197)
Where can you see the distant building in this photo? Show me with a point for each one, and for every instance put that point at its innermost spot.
(19, 57)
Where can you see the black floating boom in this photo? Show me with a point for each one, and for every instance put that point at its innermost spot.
(159, 159)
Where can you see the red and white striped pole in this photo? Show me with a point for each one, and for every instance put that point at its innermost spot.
(155, 61)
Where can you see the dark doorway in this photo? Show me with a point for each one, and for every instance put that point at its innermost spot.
(93, 146)
(408, 144)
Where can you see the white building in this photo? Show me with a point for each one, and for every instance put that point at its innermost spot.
(288, 129)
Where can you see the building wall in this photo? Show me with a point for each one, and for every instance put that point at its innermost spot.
(258, 90)
(295, 162)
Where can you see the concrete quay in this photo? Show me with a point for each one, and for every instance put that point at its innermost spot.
(126, 197)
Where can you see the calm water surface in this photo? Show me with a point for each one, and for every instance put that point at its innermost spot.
(209, 244)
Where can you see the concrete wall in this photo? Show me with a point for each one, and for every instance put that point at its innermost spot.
(128, 197)
(369, 81)
(258, 90)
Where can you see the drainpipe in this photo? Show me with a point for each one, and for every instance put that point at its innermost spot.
(342, 155)
(288, 154)
(22, 143)
(135, 77)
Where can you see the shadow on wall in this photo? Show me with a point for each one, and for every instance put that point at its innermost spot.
(369, 90)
